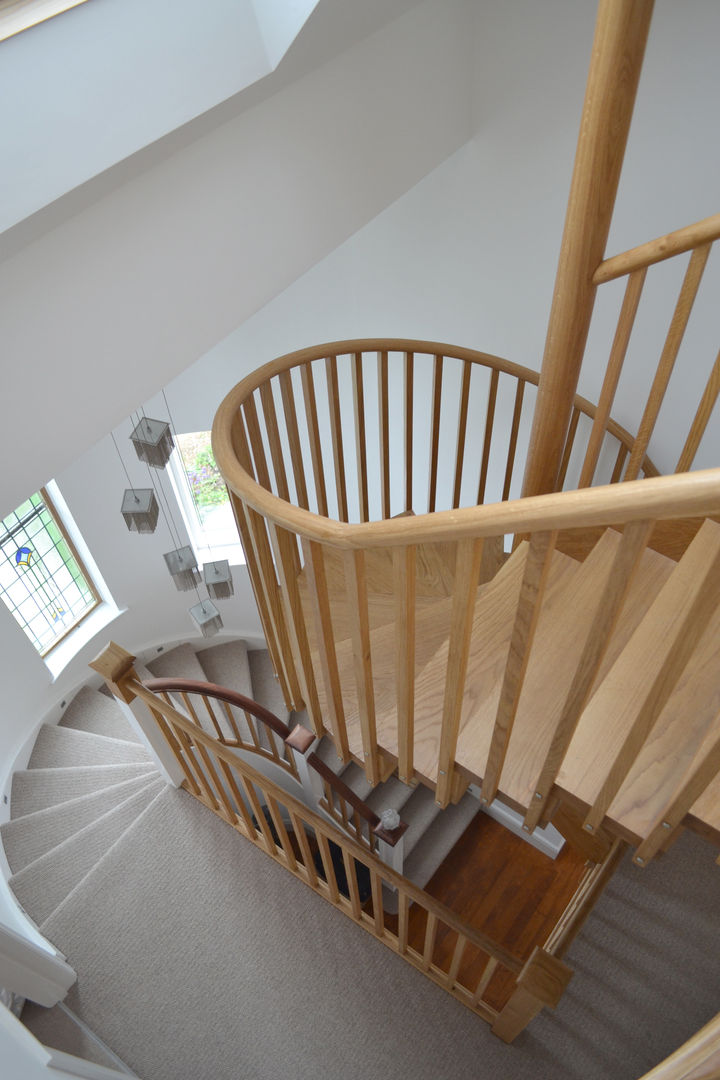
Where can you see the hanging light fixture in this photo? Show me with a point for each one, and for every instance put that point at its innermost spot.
(153, 442)
(183, 568)
(218, 579)
(140, 509)
(206, 617)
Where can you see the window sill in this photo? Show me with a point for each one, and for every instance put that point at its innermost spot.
(57, 660)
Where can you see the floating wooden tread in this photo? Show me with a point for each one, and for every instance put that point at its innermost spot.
(690, 717)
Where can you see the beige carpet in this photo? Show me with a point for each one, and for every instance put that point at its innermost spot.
(200, 958)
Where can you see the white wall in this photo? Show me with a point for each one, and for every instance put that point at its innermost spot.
(134, 288)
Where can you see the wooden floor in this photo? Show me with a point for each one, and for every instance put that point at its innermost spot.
(501, 885)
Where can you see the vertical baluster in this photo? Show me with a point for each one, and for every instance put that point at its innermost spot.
(568, 448)
(229, 812)
(213, 718)
(462, 429)
(349, 864)
(280, 829)
(403, 920)
(293, 434)
(288, 567)
(320, 602)
(252, 724)
(409, 373)
(261, 822)
(308, 861)
(404, 563)
(378, 916)
(489, 420)
(703, 414)
(487, 974)
(613, 594)
(618, 352)
(458, 951)
(316, 453)
(517, 412)
(273, 434)
(328, 867)
(252, 424)
(537, 567)
(619, 462)
(189, 752)
(690, 286)
(337, 438)
(176, 746)
(357, 826)
(384, 425)
(430, 937)
(435, 432)
(467, 572)
(232, 722)
(360, 437)
(357, 605)
(242, 810)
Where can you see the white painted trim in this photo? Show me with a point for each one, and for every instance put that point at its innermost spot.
(547, 840)
(70, 1065)
(29, 971)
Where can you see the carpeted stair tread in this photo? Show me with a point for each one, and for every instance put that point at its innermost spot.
(92, 711)
(182, 663)
(227, 665)
(27, 838)
(419, 812)
(37, 789)
(42, 885)
(54, 1028)
(392, 795)
(439, 839)
(356, 780)
(60, 747)
(266, 688)
(326, 752)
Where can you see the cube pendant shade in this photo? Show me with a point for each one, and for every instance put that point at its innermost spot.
(153, 442)
(140, 509)
(206, 617)
(218, 579)
(183, 568)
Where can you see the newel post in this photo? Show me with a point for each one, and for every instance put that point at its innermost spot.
(541, 982)
(116, 666)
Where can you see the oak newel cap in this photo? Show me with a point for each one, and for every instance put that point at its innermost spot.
(113, 662)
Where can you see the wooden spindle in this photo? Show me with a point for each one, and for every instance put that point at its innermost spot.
(377, 902)
(288, 566)
(517, 413)
(435, 432)
(688, 292)
(252, 728)
(618, 352)
(241, 808)
(409, 417)
(273, 435)
(358, 611)
(404, 563)
(677, 644)
(384, 426)
(351, 876)
(462, 430)
(316, 451)
(568, 448)
(360, 436)
(484, 981)
(537, 568)
(403, 920)
(293, 433)
(702, 416)
(281, 831)
(189, 753)
(487, 440)
(257, 446)
(307, 858)
(314, 557)
(458, 952)
(612, 597)
(261, 824)
(213, 718)
(431, 927)
(619, 462)
(176, 747)
(232, 722)
(337, 437)
(227, 810)
(329, 869)
(467, 573)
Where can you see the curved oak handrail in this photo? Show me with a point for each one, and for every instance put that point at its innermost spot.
(169, 685)
(608, 503)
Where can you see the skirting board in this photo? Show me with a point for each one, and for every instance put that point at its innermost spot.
(547, 840)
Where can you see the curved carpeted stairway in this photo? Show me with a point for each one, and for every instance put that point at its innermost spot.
(91, 799)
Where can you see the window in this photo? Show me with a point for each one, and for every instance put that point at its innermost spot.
(18, 15)
(43, 581)
(203, 499)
